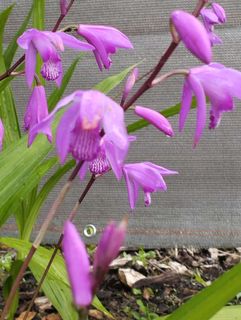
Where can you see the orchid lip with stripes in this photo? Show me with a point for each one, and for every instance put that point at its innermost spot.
(79, 130)
(49, 45)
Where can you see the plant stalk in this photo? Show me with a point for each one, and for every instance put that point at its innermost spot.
(41, 234)
(58, 246)
(167, 54)
(8, 72)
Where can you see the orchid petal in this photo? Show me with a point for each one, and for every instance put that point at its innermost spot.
(185, 104)
(1, 134)
(78, 266)
(201, 106)
(65, 127)
(30, 64)
(73, 43)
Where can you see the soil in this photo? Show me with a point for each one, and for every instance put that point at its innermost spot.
(171, 277)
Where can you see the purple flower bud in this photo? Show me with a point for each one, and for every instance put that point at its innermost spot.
(106, 40)
(130, 82)
(108, 248)
(78, 266)
(1, 134)
(211, 17)
(220, 12)
(156, 119)
(37, 108)
(63, 7)
(193, 34)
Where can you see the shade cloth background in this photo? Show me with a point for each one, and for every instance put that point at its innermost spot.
(203, 204)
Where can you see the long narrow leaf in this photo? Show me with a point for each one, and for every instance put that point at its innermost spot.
(111, 82)
(211, 299)
(56, 275)
(43, 194)
(13, 46)
(7, 106)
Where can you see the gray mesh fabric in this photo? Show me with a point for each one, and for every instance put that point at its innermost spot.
(203, 204)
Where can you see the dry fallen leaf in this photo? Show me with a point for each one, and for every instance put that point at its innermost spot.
(43, 303)
(30, 316)
(52, 316)
(96, 314)
(129, 276)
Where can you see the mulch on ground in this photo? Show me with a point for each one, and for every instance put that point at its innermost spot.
(142, 283)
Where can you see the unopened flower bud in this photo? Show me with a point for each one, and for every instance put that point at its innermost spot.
(63, 7)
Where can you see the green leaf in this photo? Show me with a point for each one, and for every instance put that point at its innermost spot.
(111, 82)
(58, 92)
(99, 306)
(38, 14)
(38, 23)
(43, 194)
(56, 285)
(13, 46)
(15, 267)
(4, 15)
(169, 112)
(24, 191)
(18, 163)
(210, 300)
(7, 107)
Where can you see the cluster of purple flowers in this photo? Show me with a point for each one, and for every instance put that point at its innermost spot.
(93, 130)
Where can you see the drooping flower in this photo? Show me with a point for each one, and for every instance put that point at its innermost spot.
(47, 44)
(148, 177)
(211, 17)
(130, 82)
(106, 40)
(80, 129)
(219, 84)
(84, 283)
(78, 266)
(63, 7)
(1, 134)
(107, 250)
(156, 119)
(37, 108)
(219, 11)
(193, 34)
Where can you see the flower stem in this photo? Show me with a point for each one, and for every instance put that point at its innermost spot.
(167, 54)
(58, 245)
(40, 236)
(167, 75)
(8, 72)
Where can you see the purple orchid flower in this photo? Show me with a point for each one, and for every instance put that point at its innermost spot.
(220, 84)
(105, 40)
(193, 34)
(84, 283)
(130, 82)
(47, 44)
(109, 157)
(148, 177)
(80, 129)
(78, 266)
(156, 119)
(211, 17)
(1, 134)
(37, 108)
